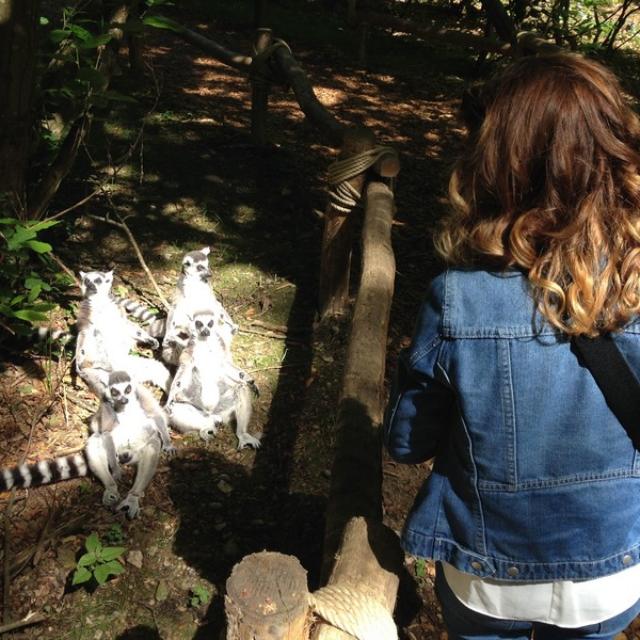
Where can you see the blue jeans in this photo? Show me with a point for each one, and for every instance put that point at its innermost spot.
(464, 624)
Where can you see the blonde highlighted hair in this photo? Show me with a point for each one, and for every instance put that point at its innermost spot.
(550, 184)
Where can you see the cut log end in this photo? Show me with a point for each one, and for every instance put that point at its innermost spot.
(267, 597)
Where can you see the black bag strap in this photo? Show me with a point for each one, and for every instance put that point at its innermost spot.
(617, 382)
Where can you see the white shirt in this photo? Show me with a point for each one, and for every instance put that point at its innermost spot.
(563, 603)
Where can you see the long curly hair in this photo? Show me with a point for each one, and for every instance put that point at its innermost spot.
(549, 183)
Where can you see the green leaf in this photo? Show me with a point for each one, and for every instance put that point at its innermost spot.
(81, 575)
(45, 224)
(21, 235)
(111, 553)
(96, 41)
(29, 315)
(80, 32)
(95, 78)
(8, 220)
(58, 35)
(39, 247)
(87, 559)
(103, 571)
(44, 21)
(92, 543)
(17, 299)
(161, 22)
(119, 97)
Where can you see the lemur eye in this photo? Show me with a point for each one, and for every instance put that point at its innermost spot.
(200, 267)
(98, 280)
(114, 392)
(187, 262)
(198, 324)
(210, 324)
(128, 389)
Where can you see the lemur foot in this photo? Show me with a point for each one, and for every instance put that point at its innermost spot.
(110, 497)
(152, 343)
(247, 440)
(130, 506)
(169, 450)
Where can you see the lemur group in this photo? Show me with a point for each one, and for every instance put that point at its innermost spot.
(131, 427)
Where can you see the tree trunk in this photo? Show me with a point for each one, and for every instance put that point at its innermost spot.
(18, 25)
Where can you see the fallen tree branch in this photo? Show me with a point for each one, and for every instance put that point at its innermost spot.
(228, 57)
(122, 225)
(30, 618)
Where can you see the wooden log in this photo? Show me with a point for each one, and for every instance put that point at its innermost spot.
(337, 237)
(267, 597)
(260, 89)
(294, 74)
(356, 479)
(228, 57)
(370, 560)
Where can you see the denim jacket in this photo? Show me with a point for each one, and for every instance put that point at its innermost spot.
(534, 478)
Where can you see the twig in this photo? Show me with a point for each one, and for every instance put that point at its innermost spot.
(122, 225)
(64, 267)
(84, 200)
(277, 366)
(272, 334)
(30, 618)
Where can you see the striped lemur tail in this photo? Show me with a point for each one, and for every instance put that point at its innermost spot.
(43, 472)
(155, 322)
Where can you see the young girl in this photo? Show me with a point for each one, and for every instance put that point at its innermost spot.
(533, 506)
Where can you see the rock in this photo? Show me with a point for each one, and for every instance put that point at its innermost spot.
(162, 591)
(67, 558)
(224, 486)
(134, 558)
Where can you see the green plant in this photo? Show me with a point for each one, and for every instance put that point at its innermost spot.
(26, 273)
(99, 562)
(199, 595)
(115, 535)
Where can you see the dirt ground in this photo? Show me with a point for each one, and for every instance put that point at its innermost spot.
(198, 181)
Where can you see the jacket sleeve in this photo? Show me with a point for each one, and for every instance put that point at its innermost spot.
(421, 402)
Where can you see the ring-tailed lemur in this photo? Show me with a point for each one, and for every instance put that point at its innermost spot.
(208, 389)
(193, 292)
(106, 336)
(154, 324)
(125, 432)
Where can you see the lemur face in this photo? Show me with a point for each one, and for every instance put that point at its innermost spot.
(196, 263)
(95, 283)
(120, 390)
(204, 325)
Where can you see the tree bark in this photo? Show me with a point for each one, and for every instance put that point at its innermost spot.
(18, 31)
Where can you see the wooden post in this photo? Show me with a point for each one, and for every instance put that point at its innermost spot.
(337, 238)
(260, 89)
(267, 597)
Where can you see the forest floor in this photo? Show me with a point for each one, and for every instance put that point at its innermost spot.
(198, 181)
